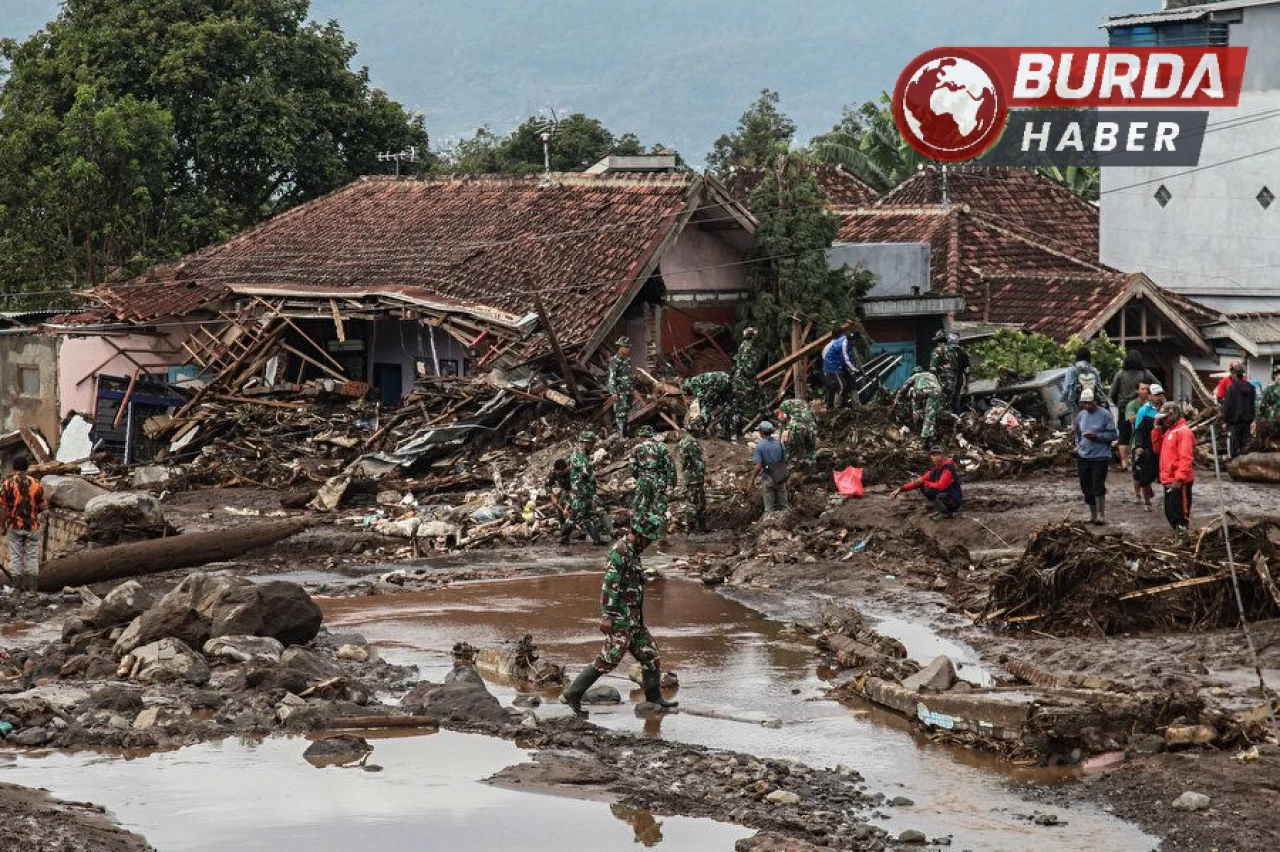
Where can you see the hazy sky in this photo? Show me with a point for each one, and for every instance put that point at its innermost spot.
(675, 71)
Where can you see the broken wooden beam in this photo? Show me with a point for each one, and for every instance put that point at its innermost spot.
(162, 554)
(565, 369)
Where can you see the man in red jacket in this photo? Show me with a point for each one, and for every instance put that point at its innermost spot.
(1177, 447)
(940, 485)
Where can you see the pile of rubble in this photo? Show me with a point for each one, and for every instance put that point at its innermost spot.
(1069, 581)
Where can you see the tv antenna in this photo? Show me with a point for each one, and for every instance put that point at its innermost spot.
(408, 155)
(547, 128)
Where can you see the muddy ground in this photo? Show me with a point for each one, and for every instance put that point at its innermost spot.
(33, 821)
(910, 567)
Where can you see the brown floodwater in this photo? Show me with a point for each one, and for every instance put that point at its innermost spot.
(741, 676)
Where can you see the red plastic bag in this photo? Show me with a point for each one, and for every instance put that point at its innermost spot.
(849, 481)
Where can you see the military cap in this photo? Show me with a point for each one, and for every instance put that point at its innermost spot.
(622, 341)
(587, 437)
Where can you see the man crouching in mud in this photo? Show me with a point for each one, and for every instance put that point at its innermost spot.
(622, 621)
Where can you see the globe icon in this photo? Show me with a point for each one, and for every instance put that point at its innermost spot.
(950, 105)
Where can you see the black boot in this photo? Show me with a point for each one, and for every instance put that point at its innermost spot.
(651, 680)
(573, 695)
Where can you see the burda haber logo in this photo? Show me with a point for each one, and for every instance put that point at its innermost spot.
(1057, 106)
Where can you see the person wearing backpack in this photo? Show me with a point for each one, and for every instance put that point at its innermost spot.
(1083, 375)
(22, 502)
(772, 469)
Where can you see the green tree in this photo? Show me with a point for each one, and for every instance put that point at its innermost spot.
(763, 133)
(790, 278)
(871, 148)
(259, 109)
(576, 142)
(1011, 355)
(1084, 181)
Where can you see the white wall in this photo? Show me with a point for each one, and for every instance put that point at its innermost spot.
(1212, 240)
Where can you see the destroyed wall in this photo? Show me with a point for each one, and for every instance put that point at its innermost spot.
(705, 282)
(403, 343)
(82, 357)
(29, 384)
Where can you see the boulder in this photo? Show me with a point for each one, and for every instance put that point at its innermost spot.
(244, 649)
(938, 676)
(913, 837)
(783, 797)
(310, 664)
(279, 609)
(167, 661)
(151, 476)
(337, 750)
(1192, 802)
(602, 693)
(132, 510)
(355, 653)
(464, 673)
(70, 492)
(459, 701)
(122, 604)
(167, 619)
(29, 737)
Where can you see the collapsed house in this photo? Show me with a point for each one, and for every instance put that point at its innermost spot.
(388, 281)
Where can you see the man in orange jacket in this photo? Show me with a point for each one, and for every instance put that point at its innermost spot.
(1177, 448)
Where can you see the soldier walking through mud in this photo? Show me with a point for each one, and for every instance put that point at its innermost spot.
(746, 388)
(655, 476)
(621, 384)
(924, 391)
(622, 620)
(693, 467)
(583, 511)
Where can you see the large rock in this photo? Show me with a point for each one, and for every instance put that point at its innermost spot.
(460, 701)
(309, 663)
(122, 604)
(167, 661)
(278, 609)
(244, 649)
(165, 619)
(70, 492)
(126, 510)
(1190, 801)
(938, 676)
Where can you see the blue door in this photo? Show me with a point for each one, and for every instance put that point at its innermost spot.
(905, 348)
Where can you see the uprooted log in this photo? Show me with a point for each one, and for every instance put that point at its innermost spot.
(1069, 581)
(1255, 467)
(162, 554)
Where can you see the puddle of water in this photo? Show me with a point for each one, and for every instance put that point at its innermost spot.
(234, 795)
(302, 577)
(732, 661)
(923, 644)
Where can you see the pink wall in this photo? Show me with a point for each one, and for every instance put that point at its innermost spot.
(702, 262)
(82, 358)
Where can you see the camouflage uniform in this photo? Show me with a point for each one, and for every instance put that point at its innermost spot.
(694, 466)
(746, 389)
(800, 436)
(582, 498)
(655, 475)
(945, 364)
(557, 483)
(1269, 403)
(622, 610)
(621, 384)
(925, 392)
(714, 394)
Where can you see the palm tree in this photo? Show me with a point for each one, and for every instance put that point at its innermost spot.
(1084, 181)
(877, 155)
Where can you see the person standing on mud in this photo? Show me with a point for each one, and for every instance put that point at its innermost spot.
(772, 470)
(945, 364)
(1269, 404)
(840, 371)
(1177, 447)
(1124, 390)
(583, 511)
(621, 384)
(557, 487)
(693, 466)
(1146, 461)
(964, 366)
(940, 485)
(655, 476)
(746, 388)
(22, 502)
(622, 620)
(799, 430)
(1095, 429)
(1239, 409)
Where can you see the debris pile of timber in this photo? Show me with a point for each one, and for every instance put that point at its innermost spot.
(1069, 581)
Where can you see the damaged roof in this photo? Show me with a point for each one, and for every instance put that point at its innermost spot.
(476, 244)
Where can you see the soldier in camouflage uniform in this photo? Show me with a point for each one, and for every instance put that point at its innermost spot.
(746, 389)
(621, 384)
(1269, 402)
(622, 619)
(693, 464)
(655, 476)
(945, 365)
(800, 430)
(925, 393)
(583, 511)
(714, 394)
(556, 486)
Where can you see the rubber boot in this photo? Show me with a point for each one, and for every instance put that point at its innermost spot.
(1093, 512)
(651, 680)
(573, 695)
(1102, 511)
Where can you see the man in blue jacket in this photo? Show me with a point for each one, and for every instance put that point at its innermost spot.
(1095, 429)
(840, 373)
